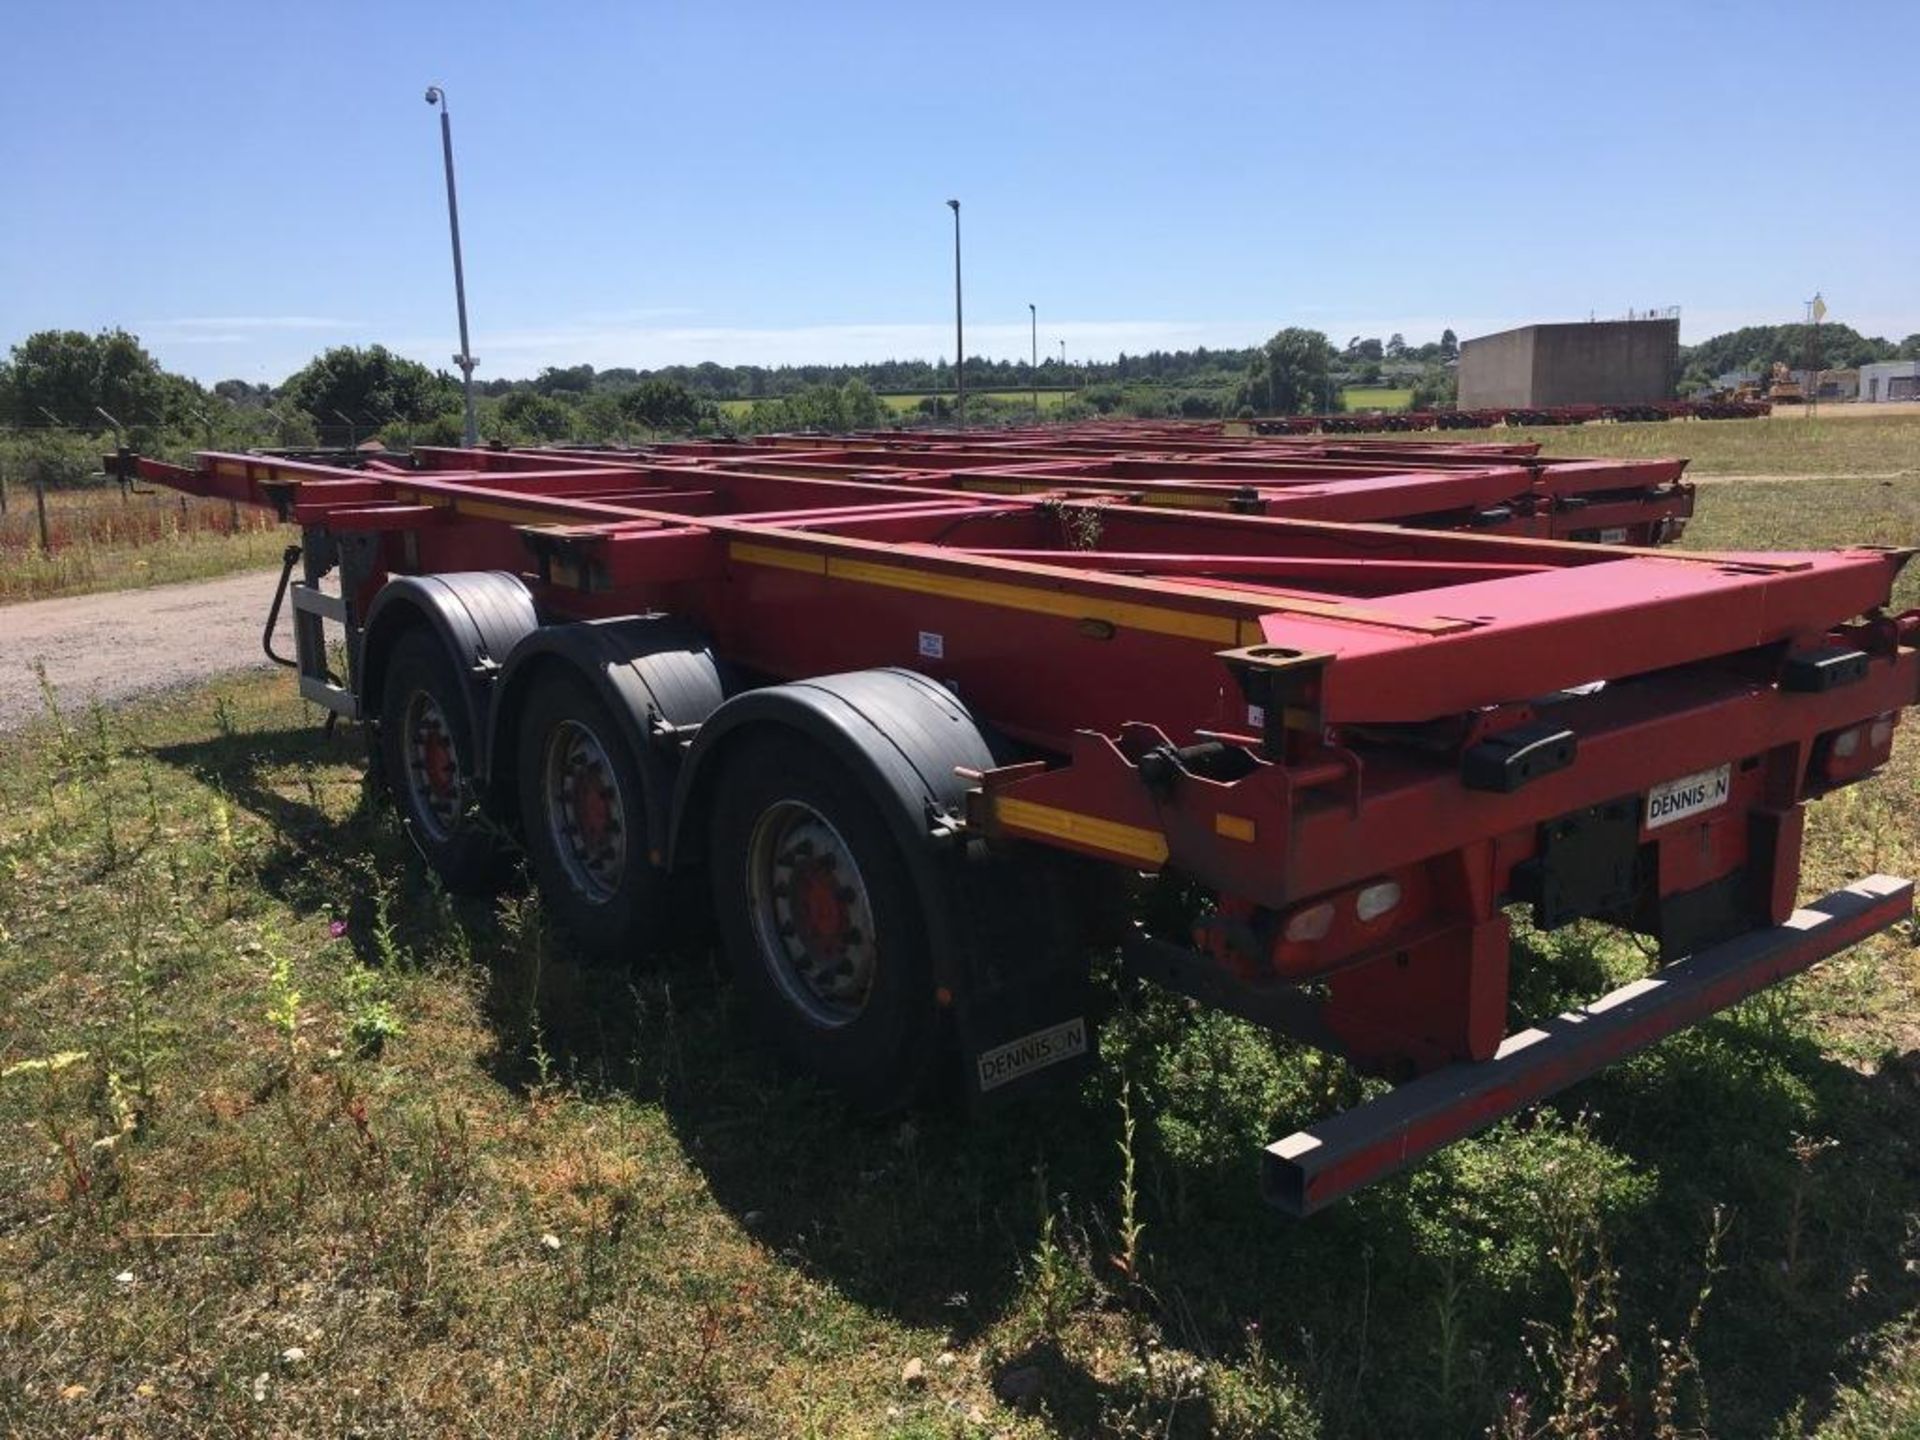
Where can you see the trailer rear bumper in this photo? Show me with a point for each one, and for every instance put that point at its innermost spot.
(1314, 1167)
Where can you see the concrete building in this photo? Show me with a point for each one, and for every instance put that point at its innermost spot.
(1890, 380)
(1606, 362)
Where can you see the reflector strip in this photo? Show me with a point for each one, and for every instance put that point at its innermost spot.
(1234, 827)
(1147, 846)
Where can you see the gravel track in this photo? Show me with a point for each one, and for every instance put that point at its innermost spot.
(114, 646)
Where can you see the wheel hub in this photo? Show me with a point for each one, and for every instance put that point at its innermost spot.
(811, 913)
(585, 815)
(432, 765)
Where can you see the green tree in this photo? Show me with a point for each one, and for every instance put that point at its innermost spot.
(535, 416)
(373, 387)
(666, 406)
(1437, 386)
(1290, 374)
(1449, 344)
(574, 380)
(1758, 347)
(1909, 348)
(860, 407)
(68, 373)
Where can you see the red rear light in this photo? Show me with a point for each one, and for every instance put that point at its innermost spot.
(1848, 753)
(1320, 934)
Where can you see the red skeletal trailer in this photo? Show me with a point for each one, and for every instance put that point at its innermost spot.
(918, 710)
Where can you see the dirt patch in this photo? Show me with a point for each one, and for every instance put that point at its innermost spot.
(1848, 410)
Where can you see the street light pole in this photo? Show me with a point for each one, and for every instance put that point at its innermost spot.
(465, 360)
(1033, 364)
(959, 334)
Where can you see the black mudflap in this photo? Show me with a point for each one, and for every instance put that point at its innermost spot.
(1588, 866)
(1023, 1012)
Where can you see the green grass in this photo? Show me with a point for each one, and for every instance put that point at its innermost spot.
(434, 1175)
(908, 404)
(1783, 445)
(1376, 397)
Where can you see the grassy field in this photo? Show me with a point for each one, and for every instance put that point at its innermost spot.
(1788, 444)
(101, 540)
(292, 1142)
(1376, 397)
(907, 404)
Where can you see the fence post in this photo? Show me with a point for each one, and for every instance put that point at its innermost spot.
(3, 484)
(40, 505)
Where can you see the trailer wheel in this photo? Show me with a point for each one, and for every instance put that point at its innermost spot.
(427, 749)
(820, 922)
(582, 811)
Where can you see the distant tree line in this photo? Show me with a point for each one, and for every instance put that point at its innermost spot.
(67, 383)
(1759, 347)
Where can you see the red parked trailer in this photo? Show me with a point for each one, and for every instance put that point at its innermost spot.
(1499, 489)
(918, 742)
(1366, 421)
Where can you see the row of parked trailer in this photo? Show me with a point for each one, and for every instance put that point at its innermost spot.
(915, 720)
(1362, 421)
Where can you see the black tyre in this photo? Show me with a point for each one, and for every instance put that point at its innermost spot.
(427, 757)
(583, 817)
(821, 923)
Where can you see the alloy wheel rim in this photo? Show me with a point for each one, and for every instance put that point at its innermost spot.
(812, 915)
(432, 766)
(585, 813)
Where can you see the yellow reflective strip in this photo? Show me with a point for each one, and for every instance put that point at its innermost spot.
(1187, 499)
(513, 514)
(1234, 827)
(488, 510)
(1216, 629)
(806, 561)
(1147, 846)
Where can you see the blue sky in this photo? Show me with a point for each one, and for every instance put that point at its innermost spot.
(244, 184)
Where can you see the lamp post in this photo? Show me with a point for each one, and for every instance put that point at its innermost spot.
(465, 360)
(959, 334)
(1033, 364)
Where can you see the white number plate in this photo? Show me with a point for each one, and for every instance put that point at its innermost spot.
(1687, 796)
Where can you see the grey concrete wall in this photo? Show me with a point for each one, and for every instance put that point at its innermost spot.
(1609, 362)
(1497, 370)
(1612, 362)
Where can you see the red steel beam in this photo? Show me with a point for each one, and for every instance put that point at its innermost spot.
(1311, 1168)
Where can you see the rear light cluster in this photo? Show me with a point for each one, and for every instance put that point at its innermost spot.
(1313, 936)
(1842, 755)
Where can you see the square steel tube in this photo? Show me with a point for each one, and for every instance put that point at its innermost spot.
(1311, 1168)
